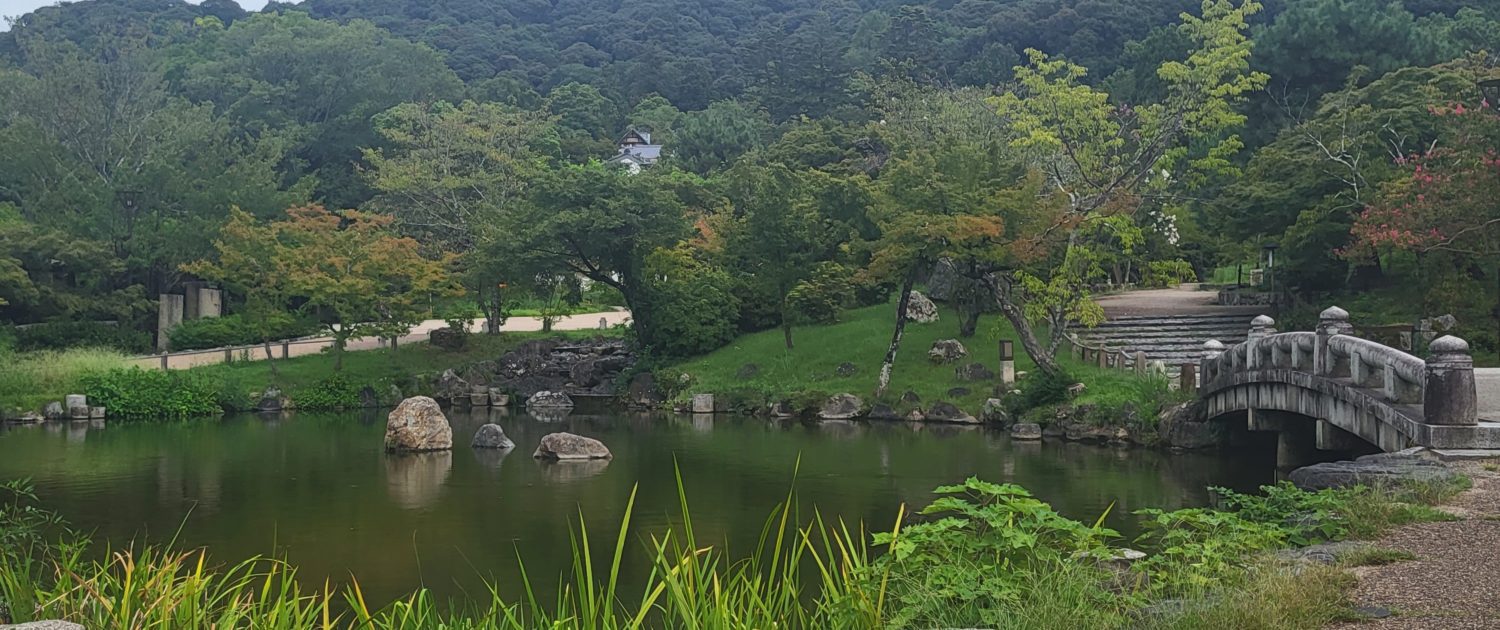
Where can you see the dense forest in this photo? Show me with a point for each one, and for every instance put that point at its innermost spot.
(816, 155)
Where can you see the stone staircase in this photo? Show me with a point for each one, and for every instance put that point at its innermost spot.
(1173, 340)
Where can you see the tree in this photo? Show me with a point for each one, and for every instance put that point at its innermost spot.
(450, 175)
(710, 139)
(1106, 159)
(601, 222)
(586, 120)
(779, 235)
(248, 265)
(347, 267)
(314, 82)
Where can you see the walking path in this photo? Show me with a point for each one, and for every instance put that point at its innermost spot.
(1183, 299)
(303, 347)
(1454, 582)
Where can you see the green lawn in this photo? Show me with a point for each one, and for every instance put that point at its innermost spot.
(379, 366)
(808, 370)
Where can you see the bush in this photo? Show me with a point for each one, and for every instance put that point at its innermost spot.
(65, 335)
(1199, 548)
(234, 330)
(135, 393)
(978, 556)
(334, 392)
(820, 298)
(1167, 273)
(691, 305)
(1038, 389)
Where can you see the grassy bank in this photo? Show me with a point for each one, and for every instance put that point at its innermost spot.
(947, 565)
(30, 380)
(34, 379)
(809, 371)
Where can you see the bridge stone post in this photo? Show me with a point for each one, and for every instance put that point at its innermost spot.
(1449, 396)
(1332, 321)
(1211, 351)
(1260, 328)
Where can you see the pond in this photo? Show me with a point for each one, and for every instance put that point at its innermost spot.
(317, 488)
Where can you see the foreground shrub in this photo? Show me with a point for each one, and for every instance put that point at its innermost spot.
(137, 393)
(334, 392)
(981, 554)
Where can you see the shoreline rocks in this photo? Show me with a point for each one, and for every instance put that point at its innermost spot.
(1372, 470)
(842, 407)
(549, 400)
(418, 425)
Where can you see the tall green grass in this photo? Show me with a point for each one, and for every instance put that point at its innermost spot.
(30, 380)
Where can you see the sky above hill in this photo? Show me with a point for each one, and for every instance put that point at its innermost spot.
(17, 8)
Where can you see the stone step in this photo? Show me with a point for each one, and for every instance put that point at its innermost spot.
(1154, 336)
(1165, 328)
(1242, 320)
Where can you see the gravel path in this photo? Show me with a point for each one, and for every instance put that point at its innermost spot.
(1185, 299)
(1454, 582)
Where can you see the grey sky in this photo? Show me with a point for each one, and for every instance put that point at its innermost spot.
(16, 8)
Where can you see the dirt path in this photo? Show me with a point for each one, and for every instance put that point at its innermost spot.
(582, 321)
(1454, 582)
(1184, 299)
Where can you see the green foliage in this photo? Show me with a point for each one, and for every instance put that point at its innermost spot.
(820, 298)
(696, 310)
(33, 379)
(1167, 273)
(1039, 390)
(334, 392)
(1306, 517)
(234, 330)
(66, 334)
(1198, 548)
(976, 554)
(137, 394)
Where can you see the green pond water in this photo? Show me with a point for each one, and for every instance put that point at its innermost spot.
(318, 489)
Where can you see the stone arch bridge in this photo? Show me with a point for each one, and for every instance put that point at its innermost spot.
(1328, 390)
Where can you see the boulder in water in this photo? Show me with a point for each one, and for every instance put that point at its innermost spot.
(418, 424)
(1026, 431)
(491, 436)
(948, 412)
(549, 400)
(567, 446)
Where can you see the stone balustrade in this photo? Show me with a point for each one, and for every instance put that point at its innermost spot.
(1442, 385)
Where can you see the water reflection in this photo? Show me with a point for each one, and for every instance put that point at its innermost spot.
(571, 470)
(319, 487)
(415, 480)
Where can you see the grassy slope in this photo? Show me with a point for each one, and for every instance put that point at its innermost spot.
(861, 338)
(384, 365)
(30, 380)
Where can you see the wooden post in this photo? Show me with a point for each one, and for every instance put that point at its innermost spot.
(229, 355)
(1140, 363)
(164, 357)
(1101, 357)
(286, 350)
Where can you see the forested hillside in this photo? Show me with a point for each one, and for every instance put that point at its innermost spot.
(815, 153)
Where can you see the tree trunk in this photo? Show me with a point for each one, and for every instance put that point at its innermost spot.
(270, 358)
(786, 332)
(890, 353)
(968, 320)
(1016, 314)
(490, 301)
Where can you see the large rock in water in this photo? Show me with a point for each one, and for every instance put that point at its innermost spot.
(1371, 470)
(549, 400)
(566, 446)
(842, 407)
(947, 351)
(921, 310)
(418, 424)
(491, 436)
(1026, 431)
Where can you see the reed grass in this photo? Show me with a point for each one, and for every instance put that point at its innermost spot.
(30, 380)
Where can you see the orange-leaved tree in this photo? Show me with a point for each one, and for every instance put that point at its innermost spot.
(348, 267)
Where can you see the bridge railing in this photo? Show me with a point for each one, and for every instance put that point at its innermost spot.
(1443, 384)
